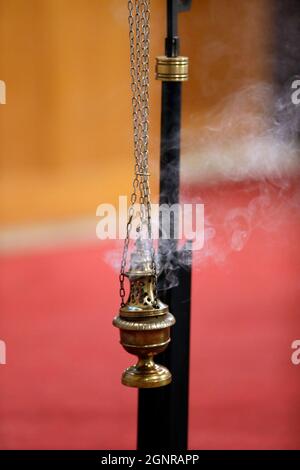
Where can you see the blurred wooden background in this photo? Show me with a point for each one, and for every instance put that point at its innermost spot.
(66, 131)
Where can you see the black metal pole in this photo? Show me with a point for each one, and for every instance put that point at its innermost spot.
(163, 412)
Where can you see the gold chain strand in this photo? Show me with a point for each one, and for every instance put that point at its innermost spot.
(139, 32)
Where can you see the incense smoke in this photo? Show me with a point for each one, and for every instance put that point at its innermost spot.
(240, 157)
(248, 152)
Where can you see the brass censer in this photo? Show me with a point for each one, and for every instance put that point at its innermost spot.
(144, 321)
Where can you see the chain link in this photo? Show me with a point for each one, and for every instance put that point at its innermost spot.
(139, 41)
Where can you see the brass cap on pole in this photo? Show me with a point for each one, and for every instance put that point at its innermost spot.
(172, 69)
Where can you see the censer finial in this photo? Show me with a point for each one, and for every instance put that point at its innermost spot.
(144, 321)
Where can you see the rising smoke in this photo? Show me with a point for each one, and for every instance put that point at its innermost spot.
(240, 157)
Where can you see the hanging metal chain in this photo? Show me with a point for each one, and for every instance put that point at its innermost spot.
(139, 31)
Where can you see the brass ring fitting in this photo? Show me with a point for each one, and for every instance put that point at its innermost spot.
(172, 69)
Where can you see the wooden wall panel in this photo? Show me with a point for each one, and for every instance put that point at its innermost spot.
(65, 132)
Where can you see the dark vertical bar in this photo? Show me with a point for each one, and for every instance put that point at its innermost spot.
(172, 40)
(163, 412)
(286, 47)
(170, 154)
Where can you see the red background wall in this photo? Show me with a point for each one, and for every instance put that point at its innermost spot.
(61, 386)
